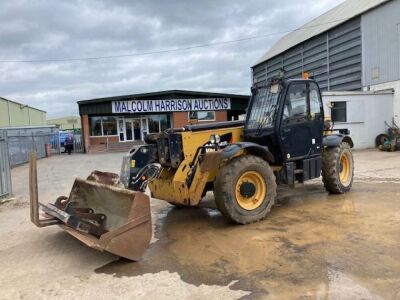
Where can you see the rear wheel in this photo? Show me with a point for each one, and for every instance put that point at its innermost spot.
(338, 168)
(381, 139)
(245, 189)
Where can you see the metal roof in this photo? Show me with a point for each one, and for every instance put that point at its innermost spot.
(337, 15)
(21, 104)
(162, 93)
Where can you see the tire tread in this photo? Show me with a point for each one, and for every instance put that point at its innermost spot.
(330, 176)
(223, 184)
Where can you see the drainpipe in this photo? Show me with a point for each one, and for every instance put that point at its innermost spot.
(9, 115)
(29, 115)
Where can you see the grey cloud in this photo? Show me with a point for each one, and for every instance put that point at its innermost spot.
(61, 29)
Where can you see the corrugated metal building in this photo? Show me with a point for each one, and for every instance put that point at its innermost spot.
(66, 123)
(353, 47)
(14, 114)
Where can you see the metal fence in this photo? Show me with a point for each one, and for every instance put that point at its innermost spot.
(21, 141)
(17, 143)
(78, 143)
(5, 174)
(45, 143)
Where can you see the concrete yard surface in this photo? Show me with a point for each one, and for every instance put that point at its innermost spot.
(311, 246)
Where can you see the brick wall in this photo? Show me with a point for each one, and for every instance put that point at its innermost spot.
(181, 118)
(91, 141)
(103, 140)
(221, 115)
(85, 131)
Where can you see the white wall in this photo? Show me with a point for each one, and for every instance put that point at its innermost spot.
(366, 114)
(380, 28)
(395, 85)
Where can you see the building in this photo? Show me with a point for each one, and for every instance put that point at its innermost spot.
(16, 120)
(353, 47)
(14, 114)
(128, 119)
(363, 113)
(66, 123)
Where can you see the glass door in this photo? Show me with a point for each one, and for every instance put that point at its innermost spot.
(137, 132)
(145, 128)
(121, 130)
(129, 135)
(132, 129)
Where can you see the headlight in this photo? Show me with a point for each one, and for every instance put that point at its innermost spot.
(212, 139)
(215, 139)
(144, 150)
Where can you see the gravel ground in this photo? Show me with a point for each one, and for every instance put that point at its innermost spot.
(312, 245)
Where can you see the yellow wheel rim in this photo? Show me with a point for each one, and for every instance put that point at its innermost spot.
(345, 168)
(256, 192)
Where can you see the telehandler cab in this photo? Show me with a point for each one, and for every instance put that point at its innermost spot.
(283, 140)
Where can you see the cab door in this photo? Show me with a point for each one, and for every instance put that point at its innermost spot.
(316, 118)
(295, 133)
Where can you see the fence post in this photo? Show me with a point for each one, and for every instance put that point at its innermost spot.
(5, 167)
(59, 143)
(33, 147)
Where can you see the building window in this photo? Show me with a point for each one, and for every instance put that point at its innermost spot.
(339, 112)
(103, 126)
(203, 116)
(109, 126)
(164, 125)
(158, 123)
(154, 124)
(95, 126)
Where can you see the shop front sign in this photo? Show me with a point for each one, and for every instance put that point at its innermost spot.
(151, 106)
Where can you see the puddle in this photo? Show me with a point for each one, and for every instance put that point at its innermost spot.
(307, 237)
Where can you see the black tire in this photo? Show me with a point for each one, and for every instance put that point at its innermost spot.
(381, 139)
(178, 206)
(332, 168)
(226, 183)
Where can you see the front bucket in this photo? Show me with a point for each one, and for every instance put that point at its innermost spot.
(100, 214)
(128, 218)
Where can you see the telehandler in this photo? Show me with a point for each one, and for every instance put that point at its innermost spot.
(283, 140)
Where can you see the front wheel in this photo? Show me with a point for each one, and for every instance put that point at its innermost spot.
(245, 189)
(338, 168)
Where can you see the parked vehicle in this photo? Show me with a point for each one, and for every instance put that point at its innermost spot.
(284, 140)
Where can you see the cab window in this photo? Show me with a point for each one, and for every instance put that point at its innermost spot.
(296, 102)
(315, 101)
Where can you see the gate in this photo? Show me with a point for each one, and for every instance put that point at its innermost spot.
(5, 175)
(59, 141)
(78, 144)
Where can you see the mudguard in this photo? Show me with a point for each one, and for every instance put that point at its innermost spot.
(333, 140)
(252, 148)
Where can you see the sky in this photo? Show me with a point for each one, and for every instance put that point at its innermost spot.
(53, 30)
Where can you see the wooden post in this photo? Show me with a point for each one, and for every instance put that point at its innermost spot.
(33, 189)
